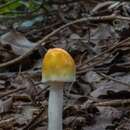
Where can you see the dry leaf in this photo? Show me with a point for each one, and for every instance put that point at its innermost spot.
(5, 105)
(17, 41)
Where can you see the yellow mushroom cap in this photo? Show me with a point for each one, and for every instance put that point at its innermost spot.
(58, 66)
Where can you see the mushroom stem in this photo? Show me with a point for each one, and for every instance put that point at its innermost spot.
(55, 107)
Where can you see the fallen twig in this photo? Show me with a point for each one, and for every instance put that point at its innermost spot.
(115, 80)
(11, 92)
(114, 103)
(7, 123)
(42, 42)
(83, 68)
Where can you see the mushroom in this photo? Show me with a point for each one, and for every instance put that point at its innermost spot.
(58, 67)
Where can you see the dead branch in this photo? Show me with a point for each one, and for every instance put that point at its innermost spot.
(42, 42)
(114, 103)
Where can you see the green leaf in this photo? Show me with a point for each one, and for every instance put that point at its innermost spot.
(31, 5)
(9, 6)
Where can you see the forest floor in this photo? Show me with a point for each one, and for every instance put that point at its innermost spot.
(97, 35)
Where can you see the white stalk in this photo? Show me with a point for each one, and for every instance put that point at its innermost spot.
(55, 107)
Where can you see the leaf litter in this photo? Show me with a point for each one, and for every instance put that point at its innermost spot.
(101, 51)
